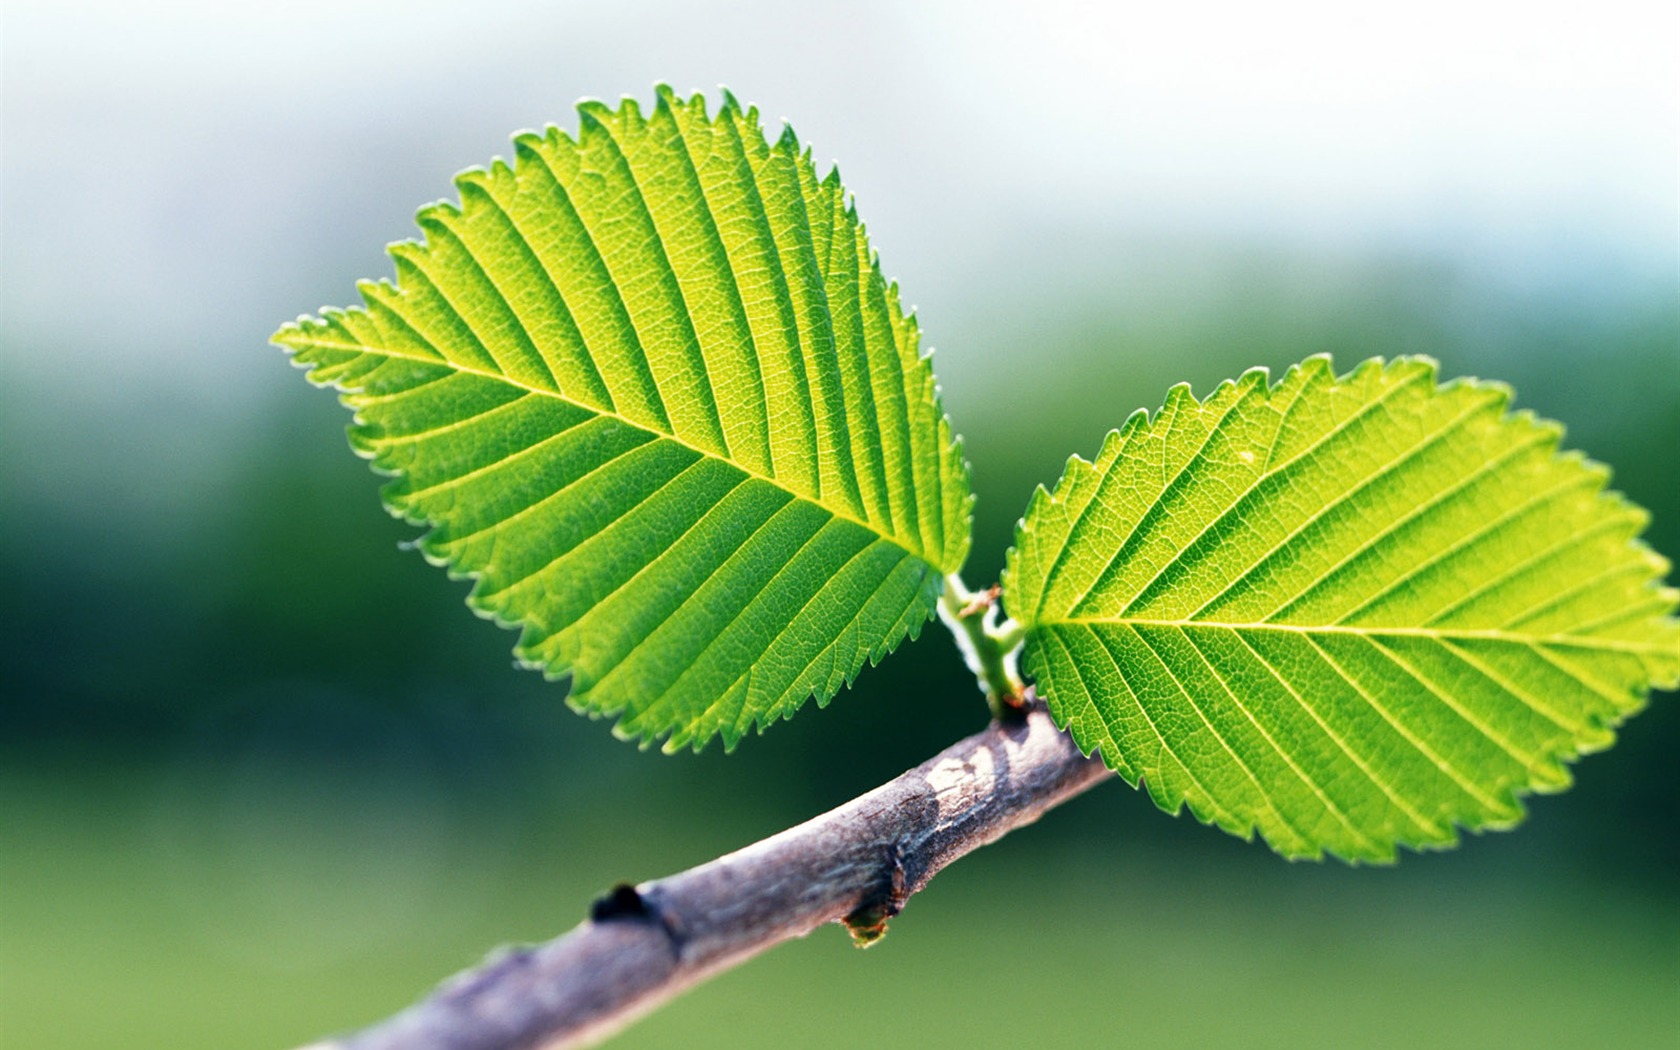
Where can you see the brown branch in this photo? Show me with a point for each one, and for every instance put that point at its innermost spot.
(857, 864)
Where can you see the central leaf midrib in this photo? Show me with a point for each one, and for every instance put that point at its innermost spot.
(841, 515)
(1430, 633)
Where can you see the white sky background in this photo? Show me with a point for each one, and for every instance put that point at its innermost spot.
(1334, 113)
(178, 178)
(149, 148)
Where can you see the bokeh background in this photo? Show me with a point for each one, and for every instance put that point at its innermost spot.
(262, 776)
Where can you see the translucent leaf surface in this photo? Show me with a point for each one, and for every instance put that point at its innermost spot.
(1350, 613)
(650, 388)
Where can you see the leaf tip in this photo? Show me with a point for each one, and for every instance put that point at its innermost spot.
(291, 335)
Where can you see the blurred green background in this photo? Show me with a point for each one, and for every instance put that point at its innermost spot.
(262, 776)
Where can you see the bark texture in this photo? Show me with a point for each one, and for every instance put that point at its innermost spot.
(856, 864)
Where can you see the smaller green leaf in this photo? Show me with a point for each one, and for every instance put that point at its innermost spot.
(1350, 613)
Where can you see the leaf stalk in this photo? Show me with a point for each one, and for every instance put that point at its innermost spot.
(990, 648)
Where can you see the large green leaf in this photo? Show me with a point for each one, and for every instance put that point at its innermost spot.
(649, 387)
(1350, 613)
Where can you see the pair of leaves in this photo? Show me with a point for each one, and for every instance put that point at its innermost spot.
(650, 389)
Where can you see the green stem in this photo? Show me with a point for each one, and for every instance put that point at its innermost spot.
(989, 648)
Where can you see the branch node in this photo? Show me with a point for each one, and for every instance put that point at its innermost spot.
(980, 601)
(621, 902)
(867, 923)
(626, 903)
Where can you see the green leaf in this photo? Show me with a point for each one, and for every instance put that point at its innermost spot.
(649, 388)
(1350, 613)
